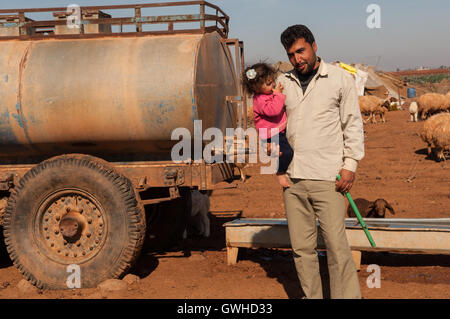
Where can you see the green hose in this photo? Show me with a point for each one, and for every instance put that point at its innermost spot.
(358, 215)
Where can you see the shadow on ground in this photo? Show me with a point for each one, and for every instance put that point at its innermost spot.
(279, 264)
(404, 259)
(164, 238)
(5, 261)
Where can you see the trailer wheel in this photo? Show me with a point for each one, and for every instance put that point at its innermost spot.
(73, 222)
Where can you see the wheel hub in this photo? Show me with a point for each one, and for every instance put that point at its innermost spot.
(72, 227)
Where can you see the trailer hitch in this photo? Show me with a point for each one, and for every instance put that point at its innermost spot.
(6, 181)
(173, 177)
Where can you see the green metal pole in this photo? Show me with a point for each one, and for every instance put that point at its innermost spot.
(358, 215)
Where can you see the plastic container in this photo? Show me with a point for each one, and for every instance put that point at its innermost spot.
(411, 92)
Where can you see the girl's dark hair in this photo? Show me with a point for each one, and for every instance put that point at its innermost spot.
(264, 71)
(295, 32)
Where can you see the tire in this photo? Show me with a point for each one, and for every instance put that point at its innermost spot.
(73, 210)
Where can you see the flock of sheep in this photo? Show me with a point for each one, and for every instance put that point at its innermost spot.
(433, 108)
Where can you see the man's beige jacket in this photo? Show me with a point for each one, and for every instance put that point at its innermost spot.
(324, 125)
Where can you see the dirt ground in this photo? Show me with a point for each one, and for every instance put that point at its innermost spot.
(395, 168)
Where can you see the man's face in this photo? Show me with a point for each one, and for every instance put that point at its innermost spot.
(302, 56)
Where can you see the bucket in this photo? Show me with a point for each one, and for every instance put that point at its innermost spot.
(411, 92)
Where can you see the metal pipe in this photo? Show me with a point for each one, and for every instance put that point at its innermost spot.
(358, 215)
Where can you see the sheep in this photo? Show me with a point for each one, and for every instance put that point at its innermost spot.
(436, 132)
(447, 97)
(431, 103)
(372, 105)
(381, 112)
(414, 111)
(376, 209)
(443, 107)
(427, 130)
(441, 137)
(198, 208)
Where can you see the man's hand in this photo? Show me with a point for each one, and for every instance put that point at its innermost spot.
(346, 182)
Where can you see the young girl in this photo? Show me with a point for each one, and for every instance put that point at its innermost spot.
(269, 112)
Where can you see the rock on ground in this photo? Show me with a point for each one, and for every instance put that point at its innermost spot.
(131, 279)
(26, 287)
(113, 285)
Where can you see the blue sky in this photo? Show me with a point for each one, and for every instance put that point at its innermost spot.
(413, 32)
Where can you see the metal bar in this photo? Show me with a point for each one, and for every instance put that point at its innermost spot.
(239, 66)
(202, 17)
(203, 177)
(113, 21)
(112, 7)
(426, 235)
(217, 14)
(22, 31)
(111, 35)
(435, 224)
(216, 7)
(238, 63)
(155, 201)
(221, 33)
(222, 21)
(218, 20)
(244, 94)
(230, 102)
(137, 16)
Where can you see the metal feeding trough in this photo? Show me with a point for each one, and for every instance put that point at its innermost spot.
(393, 235)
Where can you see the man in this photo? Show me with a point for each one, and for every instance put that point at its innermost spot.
(325, 130)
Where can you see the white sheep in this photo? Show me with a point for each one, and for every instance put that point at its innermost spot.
(414, 111)
(198, 208)
(436, 132)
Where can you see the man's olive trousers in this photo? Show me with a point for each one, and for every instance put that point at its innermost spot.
(304, 201)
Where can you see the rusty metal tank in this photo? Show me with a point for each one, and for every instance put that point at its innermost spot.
(112, 95)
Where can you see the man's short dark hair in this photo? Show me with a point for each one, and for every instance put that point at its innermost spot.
(295, 32)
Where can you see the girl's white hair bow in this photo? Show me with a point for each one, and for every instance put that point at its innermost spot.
(251, 74)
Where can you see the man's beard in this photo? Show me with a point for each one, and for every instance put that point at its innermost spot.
(309, 67)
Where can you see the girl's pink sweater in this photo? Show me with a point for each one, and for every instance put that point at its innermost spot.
(269, 112)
